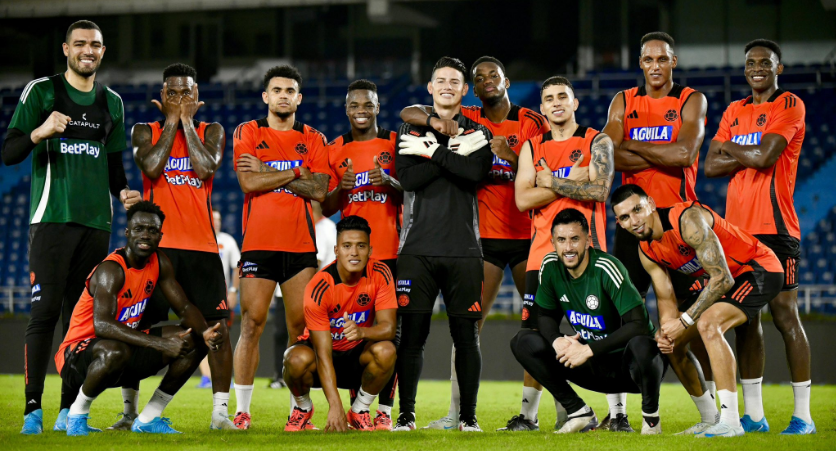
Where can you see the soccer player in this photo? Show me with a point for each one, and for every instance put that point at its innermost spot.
(281, 166)
(503, 229)
(178, 158)
(74, 127)
(744, 275)
(364, 183)
(439, 245)
(350, 319)
(582, 159)
(612, 348)
(103, 346)
(758, 145)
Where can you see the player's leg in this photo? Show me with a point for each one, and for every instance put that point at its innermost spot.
(299, 374)
(689, 371)
(386, 399)
(255, 302)
(299, 270)
(280, 338)
(646, 367)
(751, 361)
(378, 365)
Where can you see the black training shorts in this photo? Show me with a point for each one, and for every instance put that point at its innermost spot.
(274, 265)
(460, 280)
(502, 253)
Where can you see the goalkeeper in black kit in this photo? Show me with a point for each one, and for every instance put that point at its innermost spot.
(439, 244)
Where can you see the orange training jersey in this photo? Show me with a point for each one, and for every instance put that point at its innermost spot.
(759, 201)
(182, 196)
(131, 301)
(658, 121)
(743, 251)
(380, 205)
(327, 300)
(499, 216)
(560, 156)
(279, 220)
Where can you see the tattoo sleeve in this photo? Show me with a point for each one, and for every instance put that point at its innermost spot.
(697, 233)
(601, 171)
(314, 188)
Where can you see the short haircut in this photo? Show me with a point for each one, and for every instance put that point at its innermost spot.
(485, 59)
(447, 61)
(625, 191)
(353, 222)
(556, 81)
(81, 25)
(179, 70)
(658, 36)
(771, 45)
(146, 206)
(363, 84)
(571, 216)
(283, 71)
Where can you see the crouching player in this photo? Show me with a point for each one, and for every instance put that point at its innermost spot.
(350, 319)
(103, 350)
(612, 350)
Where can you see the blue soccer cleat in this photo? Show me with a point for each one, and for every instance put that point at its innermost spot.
(754, 426)
(205, 382)
(33, 422)
(156, 426)
(61, 421)
(77, 425)
(799, 427)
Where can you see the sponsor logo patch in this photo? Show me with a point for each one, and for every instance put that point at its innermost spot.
(652, 134)
(586, 320)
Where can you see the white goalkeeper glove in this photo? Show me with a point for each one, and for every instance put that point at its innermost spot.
(424, 146)
(466, 144)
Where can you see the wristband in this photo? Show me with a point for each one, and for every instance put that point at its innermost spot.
(429, 119)
(686, 319)
(233, 289)
(296, 172)
(683, 323)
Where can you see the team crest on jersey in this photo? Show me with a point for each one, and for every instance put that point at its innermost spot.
(384, 158)
(684, 249)
(403, 300)
(652, 134)
(513, 141)
(301, 149)
(525, 314)
(364, 299)
(671, 115)
(761, 120)
(749, 139)
(149, 286)
(575, 155)
(592, 302)
(32, 277)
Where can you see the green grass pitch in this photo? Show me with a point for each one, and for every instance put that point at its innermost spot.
(498, 401)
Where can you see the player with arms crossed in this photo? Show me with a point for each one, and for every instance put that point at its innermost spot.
(74, 128)
(503, 229)
(744, 275)
(351, 317)
(178, 158)
(440, 175)
(281, 166)
(104, 347)
(371, 191)
(582, 159)
(612, 348)
(758, 146)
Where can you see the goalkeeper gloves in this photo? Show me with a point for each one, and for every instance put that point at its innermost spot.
(466, 144)
(424, 146)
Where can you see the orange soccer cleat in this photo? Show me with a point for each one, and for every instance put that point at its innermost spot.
(360, 421)
(242, 420)
(382, 422)
(299, 420)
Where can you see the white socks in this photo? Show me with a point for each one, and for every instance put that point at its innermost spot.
(801, 393)
(155, 406)
(130, 401)
(82, 403)
(707, 407)
(728, 408)
(711, 387)
(753, 398)
(385, 409)
(220, 405)
(530, 403)
(303, 402)
(585, 410)
(243, 396)
(455, 396)
(558, 407)
(363, 401)
(618, 404)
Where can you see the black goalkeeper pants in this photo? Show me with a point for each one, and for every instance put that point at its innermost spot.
(639, 369)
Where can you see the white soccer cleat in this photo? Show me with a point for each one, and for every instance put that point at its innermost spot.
(697, 429)
(443, 424)
(405, 423)
(582, 423)
(221, 422)
(647, 429)
(722, 429)
(469, 426)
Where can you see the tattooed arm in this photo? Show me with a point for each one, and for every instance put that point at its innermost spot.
(205, 156)
(697, 232)
(597, 186)
(313, 188)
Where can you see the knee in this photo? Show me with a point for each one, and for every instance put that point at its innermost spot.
(251, 325)
(708, 328)
(115, 357)
(384, 353)
(465, 332)
(298, 359)
(525, 342)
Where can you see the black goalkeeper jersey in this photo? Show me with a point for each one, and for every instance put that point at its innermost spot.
(441, 213)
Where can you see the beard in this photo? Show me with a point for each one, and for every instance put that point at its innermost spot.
(581, 256)
(86, 73)
(647, 236)
(493, 99)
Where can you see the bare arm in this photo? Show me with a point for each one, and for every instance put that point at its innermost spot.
(418, 114)
(758, 156)
(665, 298)
(322, 345)
(719, 163)
(205, 156)
(526, 194)
(601, 171)
(314, 188)
(152, 159)
(697, 232)
(383, 329)
(176, 297)
(625, 161)
(264, 179)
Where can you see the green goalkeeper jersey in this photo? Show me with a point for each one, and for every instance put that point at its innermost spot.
(70, 170)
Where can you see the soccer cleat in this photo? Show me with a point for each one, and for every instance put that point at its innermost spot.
(799, 427)
(406, 422)
(582, 423)
(562, 418)
(722, 429)
(125, 423)
(156, 426)
(650, 425)
(605, 423)
(33, 422)
(754, 426)
(520, 423)
(469, 425)
(221, 422)
(299, 420)
(697, 429)
(382, 421)
(61, 422)
(277, 383)
(619, 424)
(442, 424)
(360, 421)
(205, 382)
(77, 426)
(242, 420)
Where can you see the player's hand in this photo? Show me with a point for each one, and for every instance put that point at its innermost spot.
(423, 146)
(337, 422)
(578, 173)
(466, 144)
(170, 106)
(544, 175)
(560, 344)
(251, 163)
(664, 343)
(55, 124)
(129, 197)
(673, 329)
(575, 355)
(501, 148)
(349, 178)
(376, 176)
(351, 331)
(447, 127)
(176, 346)
(189, 106)
(213, 338)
